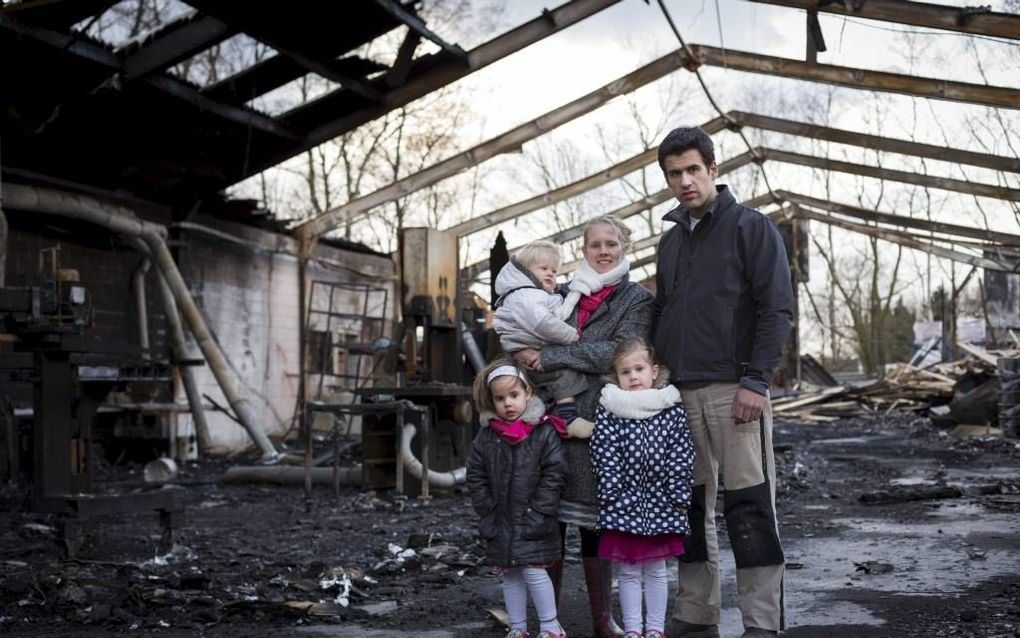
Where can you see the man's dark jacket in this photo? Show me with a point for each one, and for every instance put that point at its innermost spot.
(724, 300)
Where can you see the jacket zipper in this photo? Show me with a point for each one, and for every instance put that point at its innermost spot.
(510, 503)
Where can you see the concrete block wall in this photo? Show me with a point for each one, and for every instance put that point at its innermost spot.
(247, 293)
(249, 298)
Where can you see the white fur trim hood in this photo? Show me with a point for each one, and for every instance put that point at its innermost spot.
(638, 404)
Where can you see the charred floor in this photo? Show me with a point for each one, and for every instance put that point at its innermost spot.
(893, 526)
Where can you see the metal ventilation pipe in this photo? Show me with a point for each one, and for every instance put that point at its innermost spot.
(123, 221)
(180, 348)
(474, 353)
(3, 233)
(413, 465)
(291, 475)
(141, 312)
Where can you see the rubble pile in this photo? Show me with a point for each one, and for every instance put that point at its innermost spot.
(965, 391)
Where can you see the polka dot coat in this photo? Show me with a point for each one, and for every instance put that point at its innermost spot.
(643, 468)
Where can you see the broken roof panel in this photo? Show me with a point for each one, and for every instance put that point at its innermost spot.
(129, 116)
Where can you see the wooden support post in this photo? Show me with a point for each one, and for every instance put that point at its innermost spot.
(977, 20)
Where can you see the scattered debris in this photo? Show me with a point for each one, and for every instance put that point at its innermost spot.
(873, 567)
(337, 578)
(380, 608)
(930, 492)
(964, 392)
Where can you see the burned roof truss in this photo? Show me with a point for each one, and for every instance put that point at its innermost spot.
(116, 118)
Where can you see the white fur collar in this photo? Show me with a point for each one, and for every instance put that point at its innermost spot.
(586, 282)
(534, 411)
(638, 404)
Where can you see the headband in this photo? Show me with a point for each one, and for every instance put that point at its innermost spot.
(506, 371)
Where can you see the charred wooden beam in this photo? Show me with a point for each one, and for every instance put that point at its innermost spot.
(857, 78)
(901, 220)
(165, 83)
(426, 82)
(510, 140)
(277, 70)
(172, 43)
(56, 14)
(906, 240)
(595, 180)
(743, 119)
(397, 75)
(239, 114)
(874, 142)
(416, 25)
(472, 271)
(976, 20)
(944, 183)
(653, 240)
(324, 68)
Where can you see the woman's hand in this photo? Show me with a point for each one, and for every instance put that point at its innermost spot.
(529, 358)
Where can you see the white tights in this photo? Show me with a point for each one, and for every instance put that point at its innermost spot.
(630, 576)
(518, 582)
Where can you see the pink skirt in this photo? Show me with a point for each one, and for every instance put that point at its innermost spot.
(631, 548)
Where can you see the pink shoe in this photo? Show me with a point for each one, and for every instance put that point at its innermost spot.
(654, 633)
(549, 634)
(633, 634)
(517, 633)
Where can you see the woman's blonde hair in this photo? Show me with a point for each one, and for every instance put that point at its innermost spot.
(529, 254)
(623, 231)
(480, 388)
(629, 346)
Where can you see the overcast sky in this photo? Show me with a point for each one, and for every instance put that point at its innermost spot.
(632, 33)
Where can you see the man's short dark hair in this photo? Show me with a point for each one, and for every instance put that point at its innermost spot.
(680, 140)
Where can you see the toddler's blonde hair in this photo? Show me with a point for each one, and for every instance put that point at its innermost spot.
(529, 254)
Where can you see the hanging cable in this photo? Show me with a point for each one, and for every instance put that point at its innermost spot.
(692, 66)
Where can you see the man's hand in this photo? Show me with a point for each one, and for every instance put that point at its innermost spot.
(529, 358)
(747, 406)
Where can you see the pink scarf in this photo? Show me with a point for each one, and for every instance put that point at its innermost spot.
(514, 433)
(590, 303)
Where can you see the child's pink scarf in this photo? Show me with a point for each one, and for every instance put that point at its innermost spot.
(514, 433)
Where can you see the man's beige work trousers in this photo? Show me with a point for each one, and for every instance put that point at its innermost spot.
(742, 453)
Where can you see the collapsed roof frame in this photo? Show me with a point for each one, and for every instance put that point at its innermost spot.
(775, 124)
(973, 20)
(995, 96)
(219, 139)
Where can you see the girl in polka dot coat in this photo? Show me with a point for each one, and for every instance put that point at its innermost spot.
(643, 457)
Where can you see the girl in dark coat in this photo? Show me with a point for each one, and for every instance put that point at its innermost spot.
(619, 309)
(515, 474)
(643, 457)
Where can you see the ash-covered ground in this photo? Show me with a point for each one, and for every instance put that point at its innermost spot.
(252, 561)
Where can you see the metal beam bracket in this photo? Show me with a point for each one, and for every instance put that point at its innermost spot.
(967, 14)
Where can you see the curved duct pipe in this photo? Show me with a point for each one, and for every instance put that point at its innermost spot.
(3, 241)
(122, 221)
(141, 312)
(290, 474)
(474, 353)
(413, 465)
(180, 346)
(3, 235)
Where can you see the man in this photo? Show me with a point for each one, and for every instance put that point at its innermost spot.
(723, 307)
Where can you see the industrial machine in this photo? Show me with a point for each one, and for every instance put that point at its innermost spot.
(49, 351)
(434, 374)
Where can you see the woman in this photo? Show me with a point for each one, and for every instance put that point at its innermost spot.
(609, 308)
